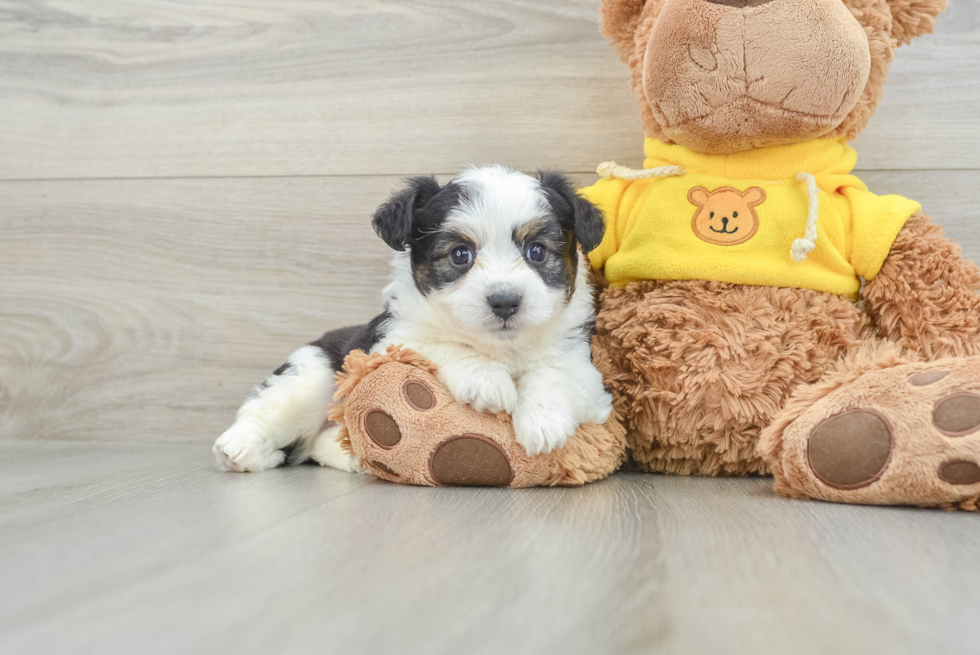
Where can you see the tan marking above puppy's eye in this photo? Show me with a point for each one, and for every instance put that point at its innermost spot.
(530, 230)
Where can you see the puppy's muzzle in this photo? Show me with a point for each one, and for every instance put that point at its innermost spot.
(504, 305)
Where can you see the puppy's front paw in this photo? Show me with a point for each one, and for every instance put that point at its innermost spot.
(491, 390)
(243, 447)
(541, 429)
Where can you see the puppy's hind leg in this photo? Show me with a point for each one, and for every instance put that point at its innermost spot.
(325, 451)
(290, 407)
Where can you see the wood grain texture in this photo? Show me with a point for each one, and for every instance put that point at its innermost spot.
(164, 554)
(182, 88)
(149, 308)
(146, 309)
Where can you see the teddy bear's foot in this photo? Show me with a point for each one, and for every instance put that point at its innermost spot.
(404, 426)
(883, 431)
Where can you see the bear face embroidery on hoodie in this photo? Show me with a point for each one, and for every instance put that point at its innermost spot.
(725, 216)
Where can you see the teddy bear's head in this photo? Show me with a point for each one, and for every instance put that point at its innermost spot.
(722, 76)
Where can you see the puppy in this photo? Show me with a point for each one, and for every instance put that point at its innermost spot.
(489, 283)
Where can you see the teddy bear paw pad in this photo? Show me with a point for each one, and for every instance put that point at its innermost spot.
(470, 460)
(382, 429)
(957, 415)
(902, 435)
(850, 450)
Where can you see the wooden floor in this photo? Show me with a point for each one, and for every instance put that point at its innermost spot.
(144, 548)
(185, 193)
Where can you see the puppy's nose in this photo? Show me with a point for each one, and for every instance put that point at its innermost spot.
(504, 305)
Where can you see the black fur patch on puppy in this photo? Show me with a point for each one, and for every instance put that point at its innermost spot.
(576, 214)
(432, 267)
(415, 218)
(339, 343)
(432, 245)
(393, 221)
(559, 267)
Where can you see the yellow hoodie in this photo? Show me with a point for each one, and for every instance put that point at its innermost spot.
(789, 216)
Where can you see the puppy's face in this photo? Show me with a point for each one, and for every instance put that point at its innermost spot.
(494, 251)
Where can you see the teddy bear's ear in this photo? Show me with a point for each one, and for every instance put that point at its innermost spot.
(393, 220)
(754, 196)
(576, 214)
(618, 21)
(912, 18)
(698, 196)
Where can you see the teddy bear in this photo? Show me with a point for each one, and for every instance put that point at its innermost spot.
(762, 311)
(766, 312)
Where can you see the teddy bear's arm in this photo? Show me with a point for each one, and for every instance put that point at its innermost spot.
(925, 296)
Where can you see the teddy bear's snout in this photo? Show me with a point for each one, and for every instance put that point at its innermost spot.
(737, 74)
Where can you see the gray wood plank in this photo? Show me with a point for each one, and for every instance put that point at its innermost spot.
(188, 559)
(146, 309)
(78, 520)
(151, 88)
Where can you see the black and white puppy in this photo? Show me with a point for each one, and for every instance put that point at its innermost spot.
(490, 284)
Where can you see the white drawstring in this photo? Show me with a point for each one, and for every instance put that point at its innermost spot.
(612, 169)
(803, 247)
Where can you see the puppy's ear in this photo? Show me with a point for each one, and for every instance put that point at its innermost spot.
(393, 220)
(576, 214)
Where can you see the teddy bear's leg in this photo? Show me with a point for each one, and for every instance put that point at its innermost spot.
(697, 368)
(403, 425)
(886, 427)
(925, 296)
(883, 429)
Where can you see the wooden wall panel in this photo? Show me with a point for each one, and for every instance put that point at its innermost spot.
(145, 309)
(187, 88)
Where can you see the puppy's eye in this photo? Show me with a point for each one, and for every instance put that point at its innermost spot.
(461, 256)
(536, 252)
(734, 214)
(712, 215)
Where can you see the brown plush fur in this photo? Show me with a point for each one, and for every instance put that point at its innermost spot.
(925, 297)
(375, 382)
(877, 377)
(629, 25)
(871, 356)
(912, 18)
(698, 368)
